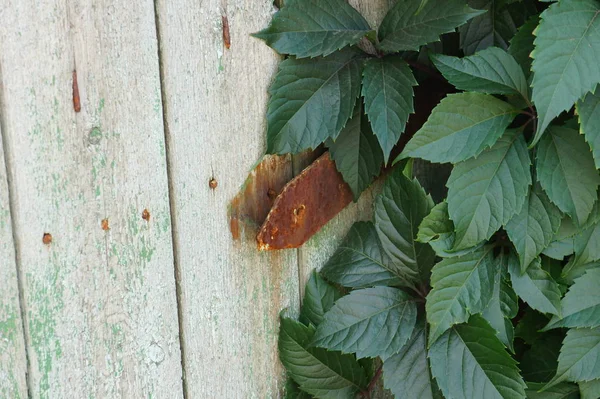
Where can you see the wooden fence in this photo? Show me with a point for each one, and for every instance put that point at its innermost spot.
(119, 276)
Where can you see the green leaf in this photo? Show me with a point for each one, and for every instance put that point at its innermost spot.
(370, 322)
(572, 271)
(587, 248)
(388, 91)
(532, 230)
(590, 389)
(566, 171)
(535, 287)
(318, 372)
(539, 363)
(318, 299)
(503, 306)
(495, 27)
(309, 28)
(356, 153)
(292, 391)
(461, 287)
(311, 100)
(406, 374)
(579, 358)
(469, 361)
(490, 71)
(411, 24)
(563, 242)
(521, 45)
(581, 304)
(484, 193)
(563, 390)
(589, 120)
(360, 260)
(399, 210)
(566, 59)
(460, 127)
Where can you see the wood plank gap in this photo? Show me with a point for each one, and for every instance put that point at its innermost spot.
(13, 224)
(174, 231)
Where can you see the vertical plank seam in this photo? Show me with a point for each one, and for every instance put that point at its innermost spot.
(299, 257)
(13, 225)
(174, 237)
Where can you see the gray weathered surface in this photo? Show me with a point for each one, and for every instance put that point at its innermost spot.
(215, 101)
(13, 361)
(101, 314)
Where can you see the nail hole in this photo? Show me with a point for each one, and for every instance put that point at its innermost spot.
(105, 225)
(146, 215)
(212, 183)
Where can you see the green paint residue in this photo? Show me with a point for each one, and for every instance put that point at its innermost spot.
(47, 303)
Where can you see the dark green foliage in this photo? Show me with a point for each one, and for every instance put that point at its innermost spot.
(494, 291)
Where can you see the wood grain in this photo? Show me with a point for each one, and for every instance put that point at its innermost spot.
(100, 305)
(13, 358)
(230, 294)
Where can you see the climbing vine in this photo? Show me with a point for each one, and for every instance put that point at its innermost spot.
(493, 291)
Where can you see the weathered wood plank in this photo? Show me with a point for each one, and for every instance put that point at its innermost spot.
(100, 303)
(215, 100)
(13, 359)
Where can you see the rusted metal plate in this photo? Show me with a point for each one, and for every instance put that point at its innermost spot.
(251, 205)
(305, 205)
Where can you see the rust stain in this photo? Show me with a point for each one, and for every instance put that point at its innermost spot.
(47, 238)
(76, 99)
(105, 225)
(305, 205)
(249, 208)
(213, 183)
(146, 215)
(226, 35)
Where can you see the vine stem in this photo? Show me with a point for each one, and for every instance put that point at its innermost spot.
(367, 393)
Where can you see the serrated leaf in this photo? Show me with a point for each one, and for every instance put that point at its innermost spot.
(406, 374)
(589, 120)
(590, 389)
(293, 391)
(566, 59)
(469, 361)
(579, 358)
(311, 100)
(581, 304)
(370, 322)
(563, 242)
(503, 305)
(437, 230)
(587, 248)
(460, 287)
(535, 287)
(572, 271)
(539, 363)
(411, 24)
(566, 171)
(319, 372)
(491, 71)
(563, 390)
(495, 27)
(399, 210)
(521, 45)
(460, 127)
(388, 91)
(484, 193)
(360, 260)
(319, 297)
(356, 153)
(532, 230)
(310, 28)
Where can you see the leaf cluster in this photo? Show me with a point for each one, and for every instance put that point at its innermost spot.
(492, 292)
